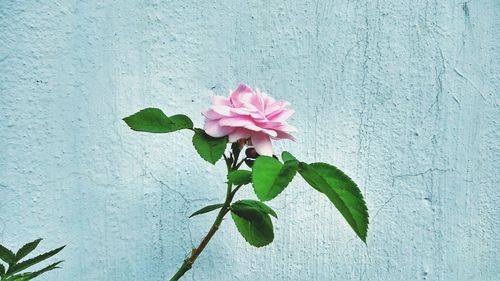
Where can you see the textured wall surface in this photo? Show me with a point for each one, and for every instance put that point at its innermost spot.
(402, 95)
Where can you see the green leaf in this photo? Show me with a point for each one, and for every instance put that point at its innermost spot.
(26, 249)
(53, 266)
(181, 121)
(341, 191)
(246, 208)
(287, 156)
(28, 263)
(17, 278)
(153, 120)
(207, 209)
(240, 177)
(209, 148)
(2, 270)
(270, 177)
(7, 255)
(253, 222)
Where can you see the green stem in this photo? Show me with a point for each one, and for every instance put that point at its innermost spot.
(188, 263)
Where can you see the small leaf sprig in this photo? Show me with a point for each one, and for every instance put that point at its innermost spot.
(16, 266)
(251, 119)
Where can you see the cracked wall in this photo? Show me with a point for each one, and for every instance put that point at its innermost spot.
(401, 96)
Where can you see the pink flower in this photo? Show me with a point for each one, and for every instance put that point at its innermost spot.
(249, 115)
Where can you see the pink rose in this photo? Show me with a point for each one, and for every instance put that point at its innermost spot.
(249, 115)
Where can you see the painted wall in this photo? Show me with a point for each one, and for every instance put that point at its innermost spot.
(403, 96)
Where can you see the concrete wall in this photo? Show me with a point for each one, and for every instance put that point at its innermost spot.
(402, 95)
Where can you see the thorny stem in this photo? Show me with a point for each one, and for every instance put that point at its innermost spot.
(188, 263)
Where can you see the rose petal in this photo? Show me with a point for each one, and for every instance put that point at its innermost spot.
(212, 128)
(222, 110)
(262, 144)
(238, 121)
(257, 102)
(281, 116)
(255, 128)
(269, 125)
(238, 134)
(237, 97)
(273, 108)
(212, 115)
(283, 135)
(248, 114)
(219, 100)
(240, 111)
(258, 115)
(267, 99)
(287, 128)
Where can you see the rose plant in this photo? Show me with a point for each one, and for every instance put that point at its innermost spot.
(251, 120)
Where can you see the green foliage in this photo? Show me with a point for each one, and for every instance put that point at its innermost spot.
(30, 275)
(209, 148)
(16, 266)
(244, 208)
(287, 156)
(240, 177)
(270, 177)
(341, 191)
(253, 221)
(26, 249)
(7, 255)
(153, 120)
(207, 209)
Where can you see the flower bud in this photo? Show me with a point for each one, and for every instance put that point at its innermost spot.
(249, 162)
(251, 153)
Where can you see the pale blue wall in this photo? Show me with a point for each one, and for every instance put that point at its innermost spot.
(401, 95)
